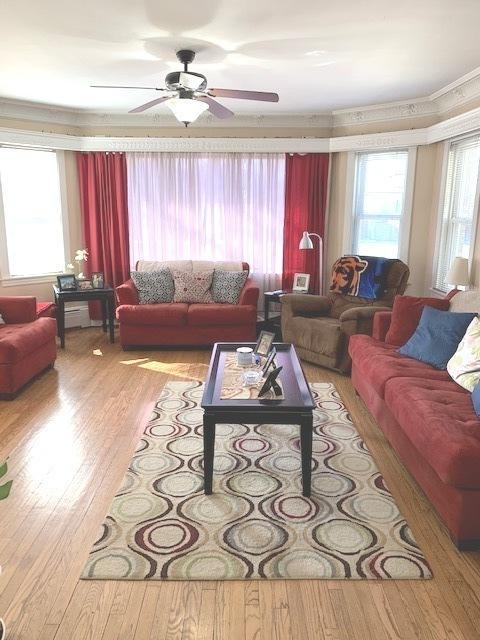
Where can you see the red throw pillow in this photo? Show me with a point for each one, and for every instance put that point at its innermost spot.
(406, 314)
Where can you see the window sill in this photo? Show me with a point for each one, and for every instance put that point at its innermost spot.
(18, 281)
(436, 293)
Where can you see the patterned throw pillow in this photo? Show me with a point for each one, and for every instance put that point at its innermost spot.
(192, 286)
(464, 365)
(154, 287)
(227, 285)
(2, 321)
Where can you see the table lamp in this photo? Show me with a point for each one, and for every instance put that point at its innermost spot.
(458, 273)
(307, 243)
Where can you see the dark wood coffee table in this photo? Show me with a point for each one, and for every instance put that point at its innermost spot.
(295, 408)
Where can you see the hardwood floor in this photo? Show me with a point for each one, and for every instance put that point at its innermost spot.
(69, 438)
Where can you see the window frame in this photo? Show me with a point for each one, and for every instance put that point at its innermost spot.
(447, 145)
(406, 216)
(8, 280)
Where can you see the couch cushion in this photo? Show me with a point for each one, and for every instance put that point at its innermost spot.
(437, 336)
(379, 362)
(19, 340)
(166, 315)
(406, 313)
(220, 314)
(464, 365)
(321, 335)
(439, 420)
(154, 287)
(227, 286)
(190, 265)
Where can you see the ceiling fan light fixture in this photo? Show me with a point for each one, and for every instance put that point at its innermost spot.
(186, 110)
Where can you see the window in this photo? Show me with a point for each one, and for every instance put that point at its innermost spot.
(30, 199)
(381, 203)
(458, 209)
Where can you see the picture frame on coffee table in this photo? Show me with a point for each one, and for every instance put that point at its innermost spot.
(264, 344)
(269, 361)
(271, 383)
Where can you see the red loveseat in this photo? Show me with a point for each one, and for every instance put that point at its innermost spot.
(430, 422)
(179, 324)
(27, 344)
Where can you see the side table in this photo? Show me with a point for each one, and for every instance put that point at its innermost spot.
(105, 296)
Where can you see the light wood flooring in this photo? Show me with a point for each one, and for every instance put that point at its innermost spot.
(69, 438)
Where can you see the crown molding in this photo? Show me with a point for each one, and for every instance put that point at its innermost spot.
(435, 106)
(452, 127)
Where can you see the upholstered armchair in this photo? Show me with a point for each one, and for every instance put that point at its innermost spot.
(320, 326)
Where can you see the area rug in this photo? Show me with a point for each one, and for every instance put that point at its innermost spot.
(256, 524)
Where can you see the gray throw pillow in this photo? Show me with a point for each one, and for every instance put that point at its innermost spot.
(154, 287)
(227, 286)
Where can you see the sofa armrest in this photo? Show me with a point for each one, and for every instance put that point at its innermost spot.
(18, 309)
(359, 319)
(249, 293)
(297, 304)
(381, 325)
(127, 293)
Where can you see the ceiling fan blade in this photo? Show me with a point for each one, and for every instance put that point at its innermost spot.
(216, 108)
(147, 105)
(110, 86)
(244, 95)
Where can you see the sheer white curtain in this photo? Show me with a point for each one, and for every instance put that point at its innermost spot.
(211, 206)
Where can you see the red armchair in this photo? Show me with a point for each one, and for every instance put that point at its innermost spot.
(179, 324)
(27, 344)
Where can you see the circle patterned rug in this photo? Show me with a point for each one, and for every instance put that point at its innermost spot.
(256, 524)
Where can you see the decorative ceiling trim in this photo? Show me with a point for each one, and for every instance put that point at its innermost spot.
(458, 125)
(435, 106)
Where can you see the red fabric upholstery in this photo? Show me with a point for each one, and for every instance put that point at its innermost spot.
(220, 314)
(27, 345)
(162, 315)
(406, 312)
(249, 293)
(46, 310)
(381, 324)
(458, 508)
(381, 362)
(154, 335)
(431, 423)
(451, 440)
(18, 309)
(183, 324)
(127, 293)
(18, 340)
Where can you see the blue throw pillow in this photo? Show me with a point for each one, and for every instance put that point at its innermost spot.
(437, 336)
(476, 399)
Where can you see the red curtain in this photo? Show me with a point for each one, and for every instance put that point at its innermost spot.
(103, 196)
(306, 185)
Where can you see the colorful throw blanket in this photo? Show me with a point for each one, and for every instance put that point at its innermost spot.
(362, 276)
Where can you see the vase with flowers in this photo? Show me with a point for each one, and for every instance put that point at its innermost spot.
(81, 256)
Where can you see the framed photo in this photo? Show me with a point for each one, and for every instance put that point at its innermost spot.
(85, 284)
(271, 383)
(98, 280)
(301, 282)
(67, 282)
(269, 361)
(264, 343)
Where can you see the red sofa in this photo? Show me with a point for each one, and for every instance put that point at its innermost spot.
(27, 344)
(430, 422)
(179, 324)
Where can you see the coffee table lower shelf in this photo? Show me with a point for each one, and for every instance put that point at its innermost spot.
(212, 418)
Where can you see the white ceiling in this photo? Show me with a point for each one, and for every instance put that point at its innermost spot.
(317, 55)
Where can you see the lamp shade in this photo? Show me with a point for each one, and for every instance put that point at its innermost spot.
(306, 241)
(458, 273)
(186, 110)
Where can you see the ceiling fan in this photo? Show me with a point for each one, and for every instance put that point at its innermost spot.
(187, 95)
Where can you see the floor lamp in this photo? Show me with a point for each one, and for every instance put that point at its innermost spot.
(307, 243)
